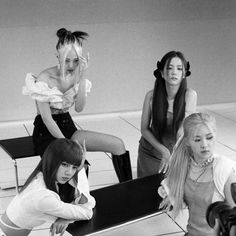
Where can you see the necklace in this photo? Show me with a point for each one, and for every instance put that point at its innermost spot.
(203, 166)
(204, 170)
(204, 163)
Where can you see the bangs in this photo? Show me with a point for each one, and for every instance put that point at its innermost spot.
(66, 150)
(63, 52)
(72, 155)
(65, 48)
(196, 128)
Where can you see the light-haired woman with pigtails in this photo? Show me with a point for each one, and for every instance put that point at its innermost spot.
(58, 88)
(197, 176)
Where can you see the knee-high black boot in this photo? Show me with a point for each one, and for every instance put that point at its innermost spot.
(122, 166)
(86, 167)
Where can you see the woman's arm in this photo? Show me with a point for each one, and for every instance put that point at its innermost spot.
(80, 99)
(190, 102)
(145, 126)
(83, 187)
(50, 204)
(45, 112)
(46, 115)
(190, 107)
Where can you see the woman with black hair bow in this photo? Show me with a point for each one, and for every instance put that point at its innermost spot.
(58, 88)
(164, 110)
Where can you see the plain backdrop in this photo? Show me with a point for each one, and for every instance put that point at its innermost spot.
(127, 37)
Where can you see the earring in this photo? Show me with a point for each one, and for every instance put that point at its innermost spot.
(58, 66)
(58, 62)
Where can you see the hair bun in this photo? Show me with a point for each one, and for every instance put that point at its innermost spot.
(188, 72)
(157, 72)
(158, 65)
(61, 33)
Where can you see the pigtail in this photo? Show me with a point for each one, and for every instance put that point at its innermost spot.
(179, 107)
(159, 106)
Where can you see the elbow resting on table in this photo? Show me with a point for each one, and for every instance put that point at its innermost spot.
(89, 214)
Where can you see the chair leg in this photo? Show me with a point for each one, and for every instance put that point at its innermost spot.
(16, 176)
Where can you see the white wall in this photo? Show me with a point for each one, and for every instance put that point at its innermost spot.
(126, 39)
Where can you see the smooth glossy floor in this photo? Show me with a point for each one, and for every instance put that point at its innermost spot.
(127, 127)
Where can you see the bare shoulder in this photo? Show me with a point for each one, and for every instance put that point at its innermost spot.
(149, 95)
(191, 94)
(191, 101)
(48, 75)
(147, 101)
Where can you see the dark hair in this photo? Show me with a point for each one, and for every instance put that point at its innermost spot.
(160, 103)
(65, 36)
(58, 151)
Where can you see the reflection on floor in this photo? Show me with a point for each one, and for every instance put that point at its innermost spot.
(127, 127)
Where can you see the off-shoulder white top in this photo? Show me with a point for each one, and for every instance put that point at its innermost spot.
(59, 102)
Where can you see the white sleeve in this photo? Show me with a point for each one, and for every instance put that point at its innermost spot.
(222, 169)
(40, 91)
(83, 187)
(49, 203)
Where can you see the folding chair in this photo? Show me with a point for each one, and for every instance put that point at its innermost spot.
(18, 148)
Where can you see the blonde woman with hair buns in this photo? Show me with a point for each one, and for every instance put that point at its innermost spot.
(58, 88)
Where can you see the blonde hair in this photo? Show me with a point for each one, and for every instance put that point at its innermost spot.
(67, 41)
(180, 158)
(63, 52)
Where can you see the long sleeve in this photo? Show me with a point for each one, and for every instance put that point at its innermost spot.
(37, 205)
(83, 187)
(222, 167)
(50, 204)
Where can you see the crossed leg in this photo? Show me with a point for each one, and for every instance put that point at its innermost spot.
(95, 141)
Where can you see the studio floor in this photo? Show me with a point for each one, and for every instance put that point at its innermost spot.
(126, 126)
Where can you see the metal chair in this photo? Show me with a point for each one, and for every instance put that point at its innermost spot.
(18, 148)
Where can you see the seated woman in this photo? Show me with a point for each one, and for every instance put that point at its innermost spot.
(56, 192)
(163, 112)
(197, 176)
(58, 88)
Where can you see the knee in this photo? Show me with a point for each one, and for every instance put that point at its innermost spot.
(75, 136)
(118, 147)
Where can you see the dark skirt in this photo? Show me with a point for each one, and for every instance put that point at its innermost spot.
(149, 159)
(41, 135)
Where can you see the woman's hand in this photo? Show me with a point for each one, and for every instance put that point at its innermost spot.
(82, 199)
(83, 65)
(59, 226)
(165, 161)
(162, 192)
(164, 165)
